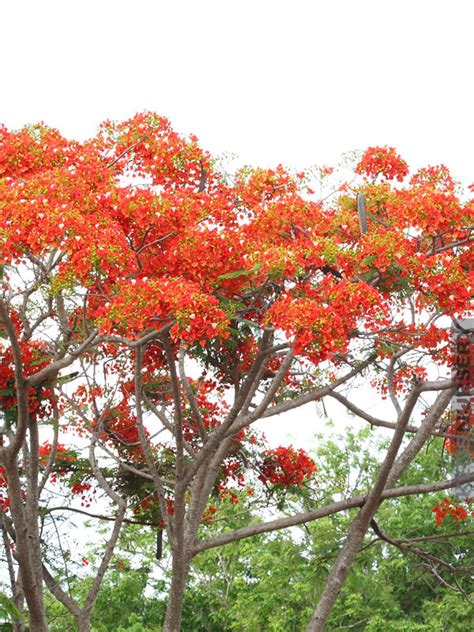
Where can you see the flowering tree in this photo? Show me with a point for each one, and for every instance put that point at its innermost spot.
(158, 309)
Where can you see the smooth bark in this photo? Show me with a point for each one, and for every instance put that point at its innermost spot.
(174, 609)
(360, 525)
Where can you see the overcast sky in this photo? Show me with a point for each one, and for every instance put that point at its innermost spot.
(296, 82)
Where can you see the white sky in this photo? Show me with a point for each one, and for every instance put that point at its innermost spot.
(297, 82)
(294, 82)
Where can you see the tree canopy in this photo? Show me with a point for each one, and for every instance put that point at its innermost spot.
(154, 308)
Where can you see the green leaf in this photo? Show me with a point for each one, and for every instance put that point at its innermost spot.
(8, 608)
(238, 273)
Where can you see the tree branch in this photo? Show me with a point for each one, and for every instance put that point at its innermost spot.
(317, 393)
(323, 512)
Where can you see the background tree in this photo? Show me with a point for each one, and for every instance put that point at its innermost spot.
(271, 582)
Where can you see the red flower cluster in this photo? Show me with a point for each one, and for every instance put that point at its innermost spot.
(34, 358)
(322, 318)
(121, 431)
(85, 490)
(448, 507)
(382, 161)
(209, 513)
(286, 467)
(62, 459)
(149, 506)
(147, 303)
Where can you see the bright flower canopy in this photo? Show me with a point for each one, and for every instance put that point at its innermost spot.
(141, 219)
(131, 262)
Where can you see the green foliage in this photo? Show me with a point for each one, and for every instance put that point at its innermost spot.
(131, 599)
(8, 610)
(124, 605)
(272, 582)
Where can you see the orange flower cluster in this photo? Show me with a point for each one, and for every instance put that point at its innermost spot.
(448, 508)
(34, 357)
(286, 467)
(382, 161)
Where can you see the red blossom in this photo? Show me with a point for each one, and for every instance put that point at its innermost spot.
(287, 467)
(447, 507)
(382, 161)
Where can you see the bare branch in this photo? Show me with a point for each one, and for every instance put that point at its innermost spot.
(126, 151)
(405, 546)
(318, 392)
(421, 436)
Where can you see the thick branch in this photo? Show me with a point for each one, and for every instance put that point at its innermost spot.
(57, 365)
(150, 461)
(358, 527)
(178, 412)
(60, 594)
(376, 421)
(21, 387)
(421, 436)
(190, 394)
(327, 510)
(247, 390)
